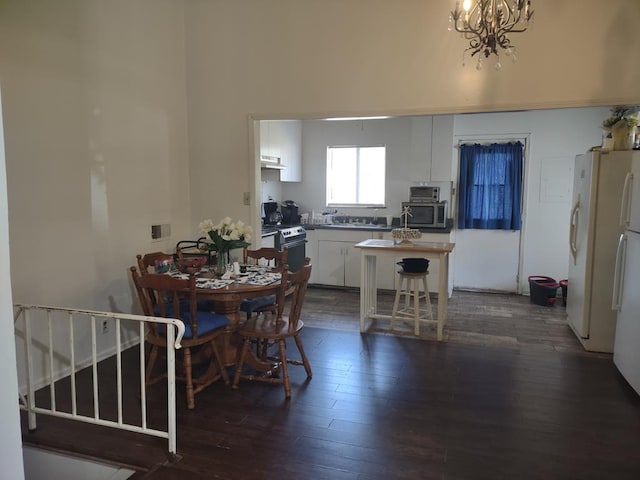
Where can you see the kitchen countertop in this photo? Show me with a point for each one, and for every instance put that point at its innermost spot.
(373, 228)
(272, 230)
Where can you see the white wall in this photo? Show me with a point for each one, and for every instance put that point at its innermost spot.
(555, 138)
(271, 186)
(408, 142)
(10, 438)
(96, 145)
(316, 59)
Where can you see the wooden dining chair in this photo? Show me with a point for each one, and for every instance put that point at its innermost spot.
(270, 257)
(147, 263)
(194, 248)
(176, 298)
(265, 326)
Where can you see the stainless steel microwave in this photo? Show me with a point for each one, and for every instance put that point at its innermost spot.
(426, 215)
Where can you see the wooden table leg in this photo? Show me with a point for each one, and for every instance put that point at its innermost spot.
(229, 343)
(443, 291)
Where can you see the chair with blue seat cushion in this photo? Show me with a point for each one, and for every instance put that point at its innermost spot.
(269, 327)
(269, 257)
(176, 298)
(154, 260)
(149, 262)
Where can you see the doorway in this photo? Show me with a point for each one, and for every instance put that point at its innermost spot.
(488, 258)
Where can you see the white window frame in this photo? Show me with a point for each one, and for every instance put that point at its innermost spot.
(359, 205)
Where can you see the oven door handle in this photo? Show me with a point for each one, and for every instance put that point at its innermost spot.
(295, 243)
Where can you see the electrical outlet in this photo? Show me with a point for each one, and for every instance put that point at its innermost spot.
(105, 326)
(246, 198)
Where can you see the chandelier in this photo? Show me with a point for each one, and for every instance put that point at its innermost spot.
(486, 23)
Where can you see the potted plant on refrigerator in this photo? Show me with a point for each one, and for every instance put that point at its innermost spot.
(622, 124)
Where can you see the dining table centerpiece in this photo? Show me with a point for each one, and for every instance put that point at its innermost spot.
(225, 236)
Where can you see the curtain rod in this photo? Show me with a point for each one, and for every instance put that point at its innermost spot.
(491, 142)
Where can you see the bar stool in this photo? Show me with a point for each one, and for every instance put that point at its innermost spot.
(417, 312)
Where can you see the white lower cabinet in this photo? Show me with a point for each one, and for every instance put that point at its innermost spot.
(311, 251)
(338, 261)
(331, 255)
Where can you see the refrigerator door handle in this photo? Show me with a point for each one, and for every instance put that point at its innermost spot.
(573, 230)
(625, 206)
(618, 276)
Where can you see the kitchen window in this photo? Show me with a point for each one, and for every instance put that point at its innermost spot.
(356, 176)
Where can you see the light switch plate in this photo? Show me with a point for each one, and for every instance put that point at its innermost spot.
(246, 198)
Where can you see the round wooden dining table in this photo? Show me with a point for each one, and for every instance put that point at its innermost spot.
(226, 301)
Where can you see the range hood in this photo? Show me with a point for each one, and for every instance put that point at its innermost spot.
(267, 161)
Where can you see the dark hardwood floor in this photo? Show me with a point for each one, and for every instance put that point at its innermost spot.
(490, 319)
(509, 394)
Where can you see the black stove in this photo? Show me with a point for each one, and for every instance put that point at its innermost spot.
(294, 239)
(291, 234)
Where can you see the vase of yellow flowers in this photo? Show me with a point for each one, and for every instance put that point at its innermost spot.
(622, 123)
(225, 236)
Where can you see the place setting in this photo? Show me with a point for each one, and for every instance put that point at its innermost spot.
(207, 277)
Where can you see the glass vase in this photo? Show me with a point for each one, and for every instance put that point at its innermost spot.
(221, 263)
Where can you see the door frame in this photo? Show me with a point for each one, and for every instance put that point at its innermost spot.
(455, 166)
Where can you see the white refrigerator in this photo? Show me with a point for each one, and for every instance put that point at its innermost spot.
(626, 292)
(594, 232)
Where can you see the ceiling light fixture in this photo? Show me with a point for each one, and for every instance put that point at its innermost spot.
(486, 23)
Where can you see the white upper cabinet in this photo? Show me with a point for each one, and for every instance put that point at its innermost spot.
(419, 148)
(269, 142)
(291, 150)
(442, 148)
(283, 139)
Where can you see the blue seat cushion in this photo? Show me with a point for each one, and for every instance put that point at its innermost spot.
(207, 322)
(202, 305)
(250, 305)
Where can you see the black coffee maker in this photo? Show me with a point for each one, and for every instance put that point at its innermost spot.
(271, 214)
(289, 210)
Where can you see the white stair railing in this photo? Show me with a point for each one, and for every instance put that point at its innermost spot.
(25, 316)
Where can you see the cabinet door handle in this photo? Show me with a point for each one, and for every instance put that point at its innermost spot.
(625, 207)
(618, 276)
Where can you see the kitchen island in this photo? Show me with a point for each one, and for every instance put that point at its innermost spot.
(371, 249)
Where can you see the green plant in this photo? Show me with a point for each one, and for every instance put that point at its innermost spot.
(622, 113)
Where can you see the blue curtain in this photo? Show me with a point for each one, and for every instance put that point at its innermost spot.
(490, 187)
